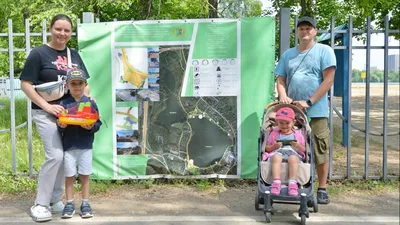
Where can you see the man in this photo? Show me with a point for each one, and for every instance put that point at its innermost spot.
(305, 74)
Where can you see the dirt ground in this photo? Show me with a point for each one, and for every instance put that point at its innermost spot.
(376, 126)
(235, 199)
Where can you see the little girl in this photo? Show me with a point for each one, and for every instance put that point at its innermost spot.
(276, 151)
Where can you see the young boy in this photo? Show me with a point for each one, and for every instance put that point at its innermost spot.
(277, 152)
(77, 143)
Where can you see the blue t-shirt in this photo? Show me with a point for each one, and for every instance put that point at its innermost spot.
(303, 82)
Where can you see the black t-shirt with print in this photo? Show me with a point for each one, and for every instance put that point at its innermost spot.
(44, 64)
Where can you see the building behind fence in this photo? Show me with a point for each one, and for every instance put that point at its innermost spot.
(5, 88)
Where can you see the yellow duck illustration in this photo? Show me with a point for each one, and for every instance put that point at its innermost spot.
(131, 74)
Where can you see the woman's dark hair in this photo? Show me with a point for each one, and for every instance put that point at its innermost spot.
(61, 17)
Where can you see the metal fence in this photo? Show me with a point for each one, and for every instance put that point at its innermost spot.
(285, 32)
(12, 93)
(347, 49)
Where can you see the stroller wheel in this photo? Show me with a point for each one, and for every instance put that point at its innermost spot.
(268, 217)
(256, 202)
(310, 203)
(303, 219)
(315, 204)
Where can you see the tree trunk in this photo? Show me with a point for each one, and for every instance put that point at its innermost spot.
(212, 8)
(146, 8)
(306, 8)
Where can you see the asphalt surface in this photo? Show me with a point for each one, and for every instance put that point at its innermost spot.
(221, 220)
(118, 211)
(172, 205)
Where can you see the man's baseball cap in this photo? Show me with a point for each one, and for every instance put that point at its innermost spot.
(76, 74)
(306, 19)
(285, 113)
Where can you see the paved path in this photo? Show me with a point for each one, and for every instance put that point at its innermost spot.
(220, 220)
(173, 205)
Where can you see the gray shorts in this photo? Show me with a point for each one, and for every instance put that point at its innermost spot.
(82, 157)
(285, 153)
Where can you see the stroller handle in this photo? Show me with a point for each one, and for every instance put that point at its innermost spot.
(271, 105)
(276, 103)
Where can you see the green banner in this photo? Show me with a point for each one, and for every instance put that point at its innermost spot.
(216, 40)
(179, 98)
(257, 85)
(153, 32)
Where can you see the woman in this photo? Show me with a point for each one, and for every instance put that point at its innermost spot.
(44, 64)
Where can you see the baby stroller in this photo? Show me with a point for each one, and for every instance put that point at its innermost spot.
(305, 177)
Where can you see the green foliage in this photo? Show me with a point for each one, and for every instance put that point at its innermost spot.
(394, 76)
(364, 186)
(103, 186)
(36, 11)
(11, 183)
(202, 185)
(105, 10)
(148, 183)
(100, 186)
(238, 9)
(176, 9)
(20, 112)
(323, 11)
(375, 76)
(21, 140)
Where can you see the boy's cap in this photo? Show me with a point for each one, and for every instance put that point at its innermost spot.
(76, 74)
(306, 19)
(285, 113)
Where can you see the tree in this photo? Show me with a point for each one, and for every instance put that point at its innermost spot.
(212, 8)
(18, 11)
(323, 10)
(356, 76)
(394, 76)
(240, 8)
(306, 7)
(377, 76)
(107, 10)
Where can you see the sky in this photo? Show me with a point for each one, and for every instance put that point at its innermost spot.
(359, 55)
(377, 55)
(266, 3)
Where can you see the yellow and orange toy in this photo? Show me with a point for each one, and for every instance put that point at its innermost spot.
(83, 115)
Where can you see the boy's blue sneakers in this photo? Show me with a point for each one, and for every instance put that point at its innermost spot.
(86, 210)
(68, 211)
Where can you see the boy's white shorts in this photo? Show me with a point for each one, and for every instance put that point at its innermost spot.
(80, 157)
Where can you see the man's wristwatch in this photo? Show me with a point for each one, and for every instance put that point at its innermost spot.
(309, 103)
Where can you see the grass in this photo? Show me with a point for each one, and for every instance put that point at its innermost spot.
(13, 184)
(364, 187)
(17, 185)
(21, 137)
(25, 186)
